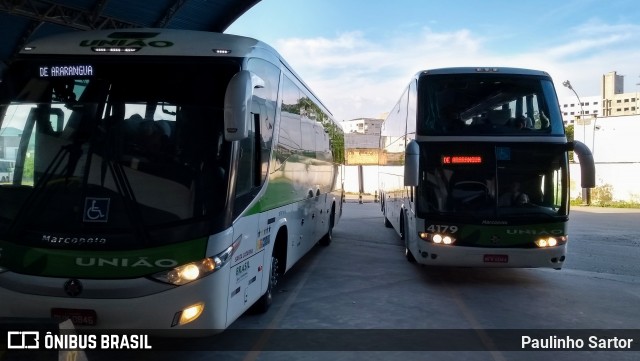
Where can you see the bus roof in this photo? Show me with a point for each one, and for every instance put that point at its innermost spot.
(145, 41)
(157, 42)
(477, 70)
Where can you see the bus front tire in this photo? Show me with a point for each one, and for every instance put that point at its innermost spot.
(404, 236)
(263, 303)
(328, 237)
(409, 255)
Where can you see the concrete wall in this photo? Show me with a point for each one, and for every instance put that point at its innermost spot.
(620, 179)
(370, 177)
(614, 143)
(362, 156)
(612, 139)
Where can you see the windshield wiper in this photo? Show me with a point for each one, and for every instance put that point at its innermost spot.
(32, 201)
(131, 205)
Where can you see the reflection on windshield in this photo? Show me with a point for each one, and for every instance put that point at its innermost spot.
(481, 104)
(131, 156)
(524, 184)
(114, 150)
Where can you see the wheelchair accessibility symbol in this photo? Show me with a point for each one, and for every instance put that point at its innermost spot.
(96, 209)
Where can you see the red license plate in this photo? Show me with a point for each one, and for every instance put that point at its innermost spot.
(496, 258)
(77, 316)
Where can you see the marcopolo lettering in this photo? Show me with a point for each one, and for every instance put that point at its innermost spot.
(125, 262)
(81, 240)
(495, 222)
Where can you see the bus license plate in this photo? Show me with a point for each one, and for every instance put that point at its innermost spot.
(496, 258)
(79, 317)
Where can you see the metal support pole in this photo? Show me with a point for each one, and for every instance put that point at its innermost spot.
(361, 183)
(586, 196)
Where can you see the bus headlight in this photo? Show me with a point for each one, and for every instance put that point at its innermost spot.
(551, 241)
(190, 272)
(437, 238)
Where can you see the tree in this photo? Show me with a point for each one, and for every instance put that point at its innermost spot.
(568, 130)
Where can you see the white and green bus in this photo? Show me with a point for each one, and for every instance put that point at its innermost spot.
(164, 179)
(474, 169)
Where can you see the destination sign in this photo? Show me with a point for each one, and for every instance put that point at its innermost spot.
(461, 159)
(65, 71)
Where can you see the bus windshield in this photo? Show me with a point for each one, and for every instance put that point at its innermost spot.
(486, 104)
(508, 181)
(113, 146)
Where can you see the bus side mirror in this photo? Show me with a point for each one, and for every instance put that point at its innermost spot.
(237, 104)
(587, 164)
(412, 164)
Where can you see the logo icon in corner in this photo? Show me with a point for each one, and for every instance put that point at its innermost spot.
(73, 287)
(96, 209)
(23, 340)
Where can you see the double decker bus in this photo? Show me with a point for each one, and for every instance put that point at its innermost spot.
(474, 169)
(164, 179)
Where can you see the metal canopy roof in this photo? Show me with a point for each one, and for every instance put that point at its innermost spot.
(24, 20)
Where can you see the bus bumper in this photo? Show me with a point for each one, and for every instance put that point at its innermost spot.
(149, 313)
(432, 255)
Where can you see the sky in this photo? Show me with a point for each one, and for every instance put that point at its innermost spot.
(358, 55)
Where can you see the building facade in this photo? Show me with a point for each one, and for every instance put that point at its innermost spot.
(362, 139)
(612, 102)
(608, 124)
(369, 126)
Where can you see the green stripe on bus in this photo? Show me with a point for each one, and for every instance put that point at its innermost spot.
(279, 192)
(98, 264)
(504, 235)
